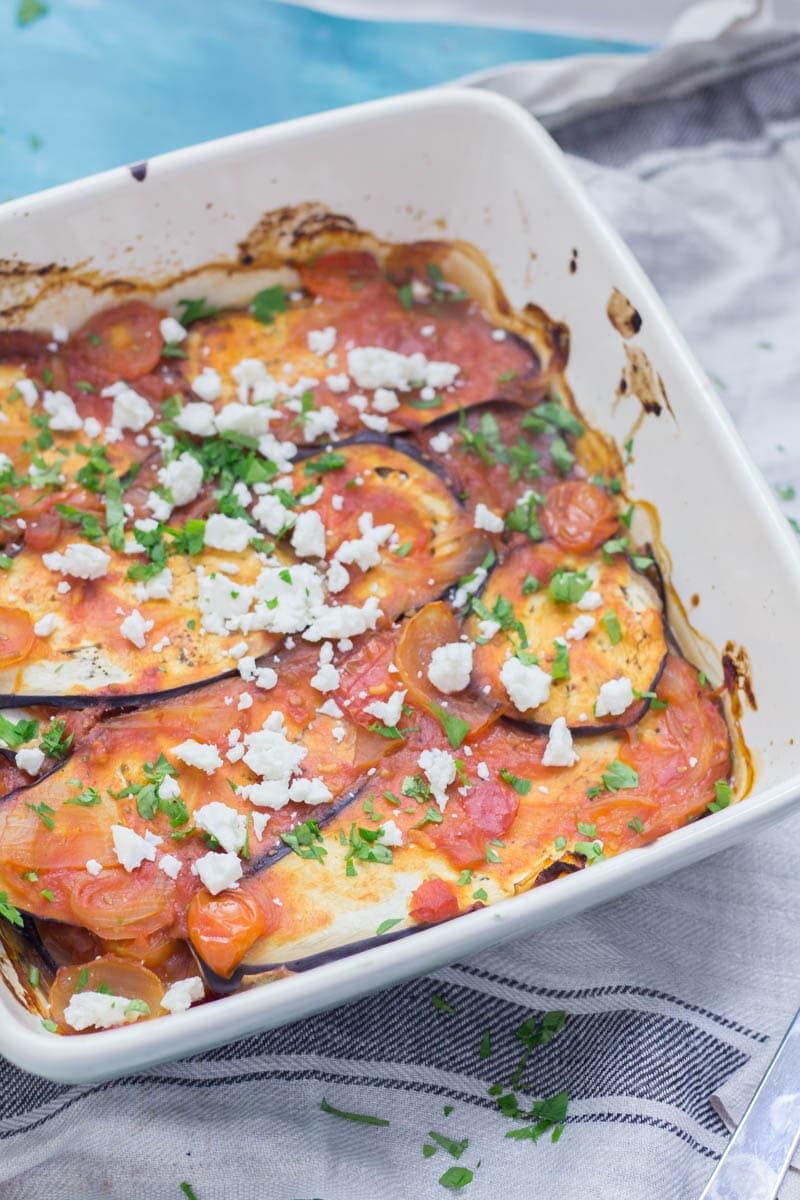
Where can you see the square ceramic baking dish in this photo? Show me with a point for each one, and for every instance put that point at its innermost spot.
(465, 164)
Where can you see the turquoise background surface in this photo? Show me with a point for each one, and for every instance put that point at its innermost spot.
(96, 83)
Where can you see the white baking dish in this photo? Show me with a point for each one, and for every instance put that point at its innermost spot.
(469, 165)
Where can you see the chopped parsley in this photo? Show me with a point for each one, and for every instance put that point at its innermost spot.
(456, 1178)
(196, 310)
(723, 792)
(331, 460)
(441, 1005)
(87, 798)
(306, 841)
(454, 1148)
(56, 742)
(8, 911)
(560, 667)
(549, 1115)
(16, 733)
(455, 729)
(613, 627)
(568, 587)
(388, 924)
(635, 825)
(485, 1048)
(364, 847)
(358, 1118)
(520, 785)
(188, 1191)
(45, 814)
(617, 776)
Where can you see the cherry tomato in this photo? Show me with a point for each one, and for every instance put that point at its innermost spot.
(16, 635)
(334, 275)
(223, 928)
(124, 340)
(578, 515)
(433, 901)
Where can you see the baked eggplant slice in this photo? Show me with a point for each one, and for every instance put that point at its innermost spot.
(580, 637)
(507, 822)
(317, 348)
(115, 777)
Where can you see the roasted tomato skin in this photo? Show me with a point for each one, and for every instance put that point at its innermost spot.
(124, 340)
(333, 275)
(578, 515)
(432, 902)
(223, 928)
(42, 533)
(16, 635)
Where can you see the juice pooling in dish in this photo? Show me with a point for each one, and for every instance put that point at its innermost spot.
(321, 621)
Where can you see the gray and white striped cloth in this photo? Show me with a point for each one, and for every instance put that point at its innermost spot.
(676, 995)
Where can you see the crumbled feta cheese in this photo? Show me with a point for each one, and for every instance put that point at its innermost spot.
(492, 522)
(321, 341)
(203, 755)
(99, 1010)
(260, 821)
(171, 330)
(337, 503)
(330, 709)
(527, 685)
(93, 866)
(184, 992)
(364, 551)
(450, 667)
(373, 367)
(440, 770)
(62, 412)
(169, 788)
(92, 428)
(245, 701)
(580, 627)
(183, 478)
(308, 538)
(244, 418)
(224, 823)
(79, 560)
(499, 335)
(159, 507)
(374, 422)
(28, 390)
(207, 385)
(559, 751)
(614, 697)
(45, 625)
(157, 588)
(197, 418)
(589, 601)
(273, 757)
(692, 761)
(326, 678)
(29, 760)
(343, 620)
(130, 411)
(135, 628)
(131, 848)
(272, 515)
(358, 402)
(338, 383)
(390, 834)
(388, 711)
(482, 770)
(228, 533)
(385, 400)
(309, 791)
(441, 442)
(337, 577)
(218, 872)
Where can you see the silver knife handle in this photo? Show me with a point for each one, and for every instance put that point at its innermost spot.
(758, 1155)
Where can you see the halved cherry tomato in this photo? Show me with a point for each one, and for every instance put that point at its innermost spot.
(578, 515)
(16, 635)
(43, 533)
(436, 625)
(334, 275)
(433, 901)
(223, 928)
(125, 340)
(109, 974)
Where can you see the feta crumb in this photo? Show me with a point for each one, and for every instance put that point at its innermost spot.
(203, 755)
(589, 601)
(218, 872)
(183, 478)
(374, 422)
(169, 788)
(135, 628)
(260, 821)
(337, 577)
(388, 711)
(244, 418)
(326, 678)
(130, 848)
(207, 385)
(63, 587)
(308, 538)
(171, 330)
(28, 390)
(99, 1010)
(224, 823)
(330, 709)
(614, 697)
(580, 627)
(309, 791)
(440, 770)
(29, 760)
(482, 770)
(62, 412)
(92, 428)
(321, 341)
(442, 442)
(184, 992)
(228, 533)
(450, 667)
(492, 522)
(385, 400)
(527, 686)
(170, 865)
(390, 834)
(197, 418)
(338, 383)
(499, 335)
(45, 625)
(272, 515)
(93, 866)
(130, 411)
(559, 751)
(157, 588)
(373, 367)
(79, 560)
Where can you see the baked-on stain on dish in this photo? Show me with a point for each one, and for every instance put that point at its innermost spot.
(622, 315)
(640, 379)
(738, 677)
